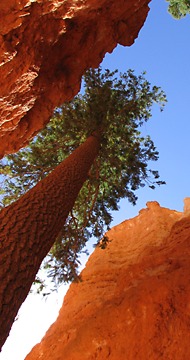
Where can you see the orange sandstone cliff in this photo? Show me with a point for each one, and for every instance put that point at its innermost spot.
(134, 300)
(45, 48)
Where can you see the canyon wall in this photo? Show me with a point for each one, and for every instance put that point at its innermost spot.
(45, 48)
(134, 299)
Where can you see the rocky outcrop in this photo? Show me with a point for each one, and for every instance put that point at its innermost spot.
(45, 47)
(134, 300)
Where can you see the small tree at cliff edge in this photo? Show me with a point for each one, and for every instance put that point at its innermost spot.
(179, 8)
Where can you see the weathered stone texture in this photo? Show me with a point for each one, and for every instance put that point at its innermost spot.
(134, 300)
(45, 47)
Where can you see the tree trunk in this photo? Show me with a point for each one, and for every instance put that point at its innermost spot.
(29, 227)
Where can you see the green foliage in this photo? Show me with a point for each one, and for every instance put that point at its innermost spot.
(179, 8)
(103, 243)
(118, 106)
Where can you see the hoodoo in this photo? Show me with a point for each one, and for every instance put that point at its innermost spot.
(45, 48)
(133, 302)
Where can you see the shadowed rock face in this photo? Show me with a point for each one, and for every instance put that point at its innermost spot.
(134, 300)
(45, 47)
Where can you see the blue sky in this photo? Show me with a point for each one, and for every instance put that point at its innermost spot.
(162, 49)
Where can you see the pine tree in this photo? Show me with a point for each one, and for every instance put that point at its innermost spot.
(109, 114)
(117, 101)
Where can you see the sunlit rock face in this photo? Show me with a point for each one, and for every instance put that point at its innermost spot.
(45, 47)
(134, 300)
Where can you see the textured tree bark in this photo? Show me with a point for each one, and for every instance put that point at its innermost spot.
(28, 228)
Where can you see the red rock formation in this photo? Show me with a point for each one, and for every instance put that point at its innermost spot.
(134, 300)
(45, 47)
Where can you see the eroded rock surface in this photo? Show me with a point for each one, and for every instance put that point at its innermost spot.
(45, 47)
(134, 300)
